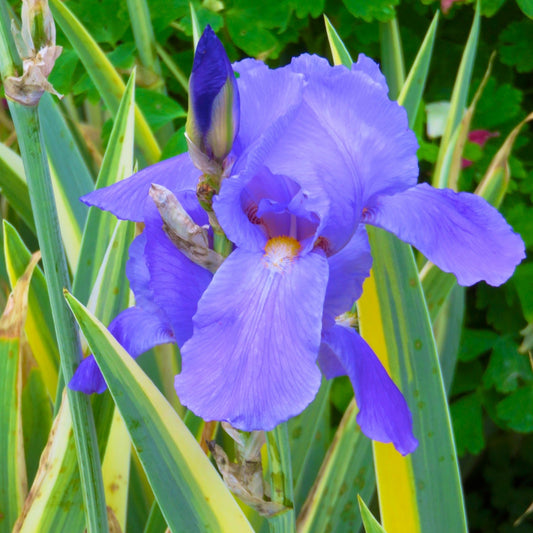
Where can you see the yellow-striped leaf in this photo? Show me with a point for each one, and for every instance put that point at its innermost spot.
(13, 482)
(190, 493)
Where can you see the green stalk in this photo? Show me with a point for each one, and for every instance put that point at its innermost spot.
(143, 34)
(172, 67)
(222, 244)
(55, 270)
(280, 478)
(26, 120)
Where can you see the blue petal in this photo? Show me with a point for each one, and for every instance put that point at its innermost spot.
(459, 232)
(254, 209)
(347, 272)
(383, 412)
(137, 331)
(371, 69)
(127, 198)
(329, 363)
(371, 131)
(265, 96)
(139, 276)
(348, 142)
(175, 281)
(252, 358)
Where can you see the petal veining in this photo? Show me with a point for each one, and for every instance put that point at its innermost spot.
(252, 358)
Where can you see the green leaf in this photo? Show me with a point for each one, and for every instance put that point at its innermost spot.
(447, 328)
(468, 377)
(70, 176)
(507, 367)
(498, 104)
(314, 8)
(104, 76)
(515, 45)
(523, 281)
(110, 292)
(189, 491)
(341, 56)
(255, 27)
(117, 165)
(392, 63)
(177, 144)
(395, 322)
(490, 7)
(279, 477)
(457, 105)
(39, 326)
(413, 88)
(309, 434)
(346, 472)
(143, 33)
(62, 75)
(13, 184)
(517, 410)
(382, 10)
(36, 419)
(467, 418)
(526, 6)
(369, 521)
(95, 16)
(476, 342)
(55, 501)
(13, 482)
(158, 108)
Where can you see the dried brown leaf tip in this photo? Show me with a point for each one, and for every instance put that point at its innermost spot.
(36, 46)
(14, 315)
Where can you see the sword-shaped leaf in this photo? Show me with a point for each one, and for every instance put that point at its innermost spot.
(13, 483)
(190, 493)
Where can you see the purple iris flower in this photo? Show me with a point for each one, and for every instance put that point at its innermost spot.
(320, 151)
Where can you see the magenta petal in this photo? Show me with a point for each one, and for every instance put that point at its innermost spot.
(137, 331)
(252, 358)
(459, 232)
(127, 198)
(383, 412)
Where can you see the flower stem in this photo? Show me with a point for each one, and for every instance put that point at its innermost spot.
(26, 121)
(280, 478)
(222, 244)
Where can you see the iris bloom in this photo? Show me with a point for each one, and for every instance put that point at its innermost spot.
(320, 152)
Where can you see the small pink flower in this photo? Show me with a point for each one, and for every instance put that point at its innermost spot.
(480, 137)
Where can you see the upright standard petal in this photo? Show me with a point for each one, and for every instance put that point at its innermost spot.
(137, 331)
(252, 358)
(266, 95)
(383, 412)
(459, 232)
(371, 132)
(127, 198)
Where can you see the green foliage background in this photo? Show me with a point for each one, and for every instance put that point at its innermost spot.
(492, 391)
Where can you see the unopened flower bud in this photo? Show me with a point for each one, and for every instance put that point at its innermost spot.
(213, 119)
(36, 46)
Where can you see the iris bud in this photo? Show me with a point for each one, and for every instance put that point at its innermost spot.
(213, 118)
